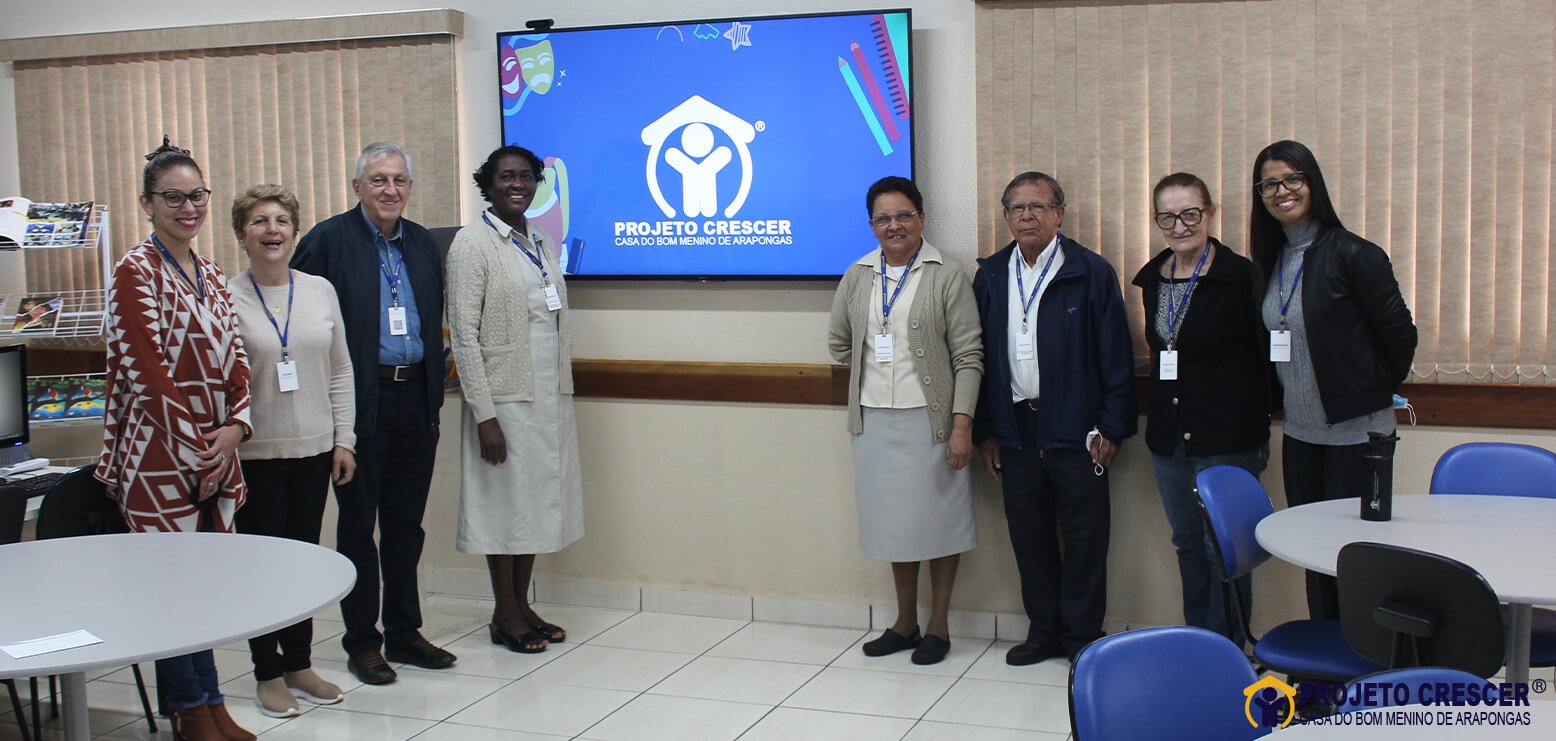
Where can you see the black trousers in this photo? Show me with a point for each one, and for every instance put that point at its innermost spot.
(394, 471)
(286, 500)
(1317, 473)
(1052, 498)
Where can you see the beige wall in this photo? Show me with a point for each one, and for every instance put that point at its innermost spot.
(741, 498)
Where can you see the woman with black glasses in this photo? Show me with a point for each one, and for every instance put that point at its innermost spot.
(905, 322)
(1209, 400)
(1341, 337)
(177, 405)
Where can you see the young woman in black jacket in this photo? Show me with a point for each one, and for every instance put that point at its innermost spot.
(1341, 337)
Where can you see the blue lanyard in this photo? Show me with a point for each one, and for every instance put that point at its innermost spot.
(198, 284)
(1176, 311)
(1027, 301)
(533, 258)
(1280, 285)
(291, 284)
(886, 305)
(393, 276)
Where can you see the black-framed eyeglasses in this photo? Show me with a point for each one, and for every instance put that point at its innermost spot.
(1037, 208)
(901, 217)
(1293, 182)
(175, 199)
(1189, 217)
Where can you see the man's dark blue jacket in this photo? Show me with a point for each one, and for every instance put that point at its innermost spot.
(1086, 365)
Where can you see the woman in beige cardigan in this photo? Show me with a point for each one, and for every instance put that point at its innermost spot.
(905, 323)
(304, 408)
(520, 491)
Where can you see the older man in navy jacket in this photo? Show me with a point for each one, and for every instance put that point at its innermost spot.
(389, 277)
(1057, 401)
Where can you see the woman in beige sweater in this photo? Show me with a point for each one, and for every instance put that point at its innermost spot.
(905, 323)
(304, 406)
(520, 491)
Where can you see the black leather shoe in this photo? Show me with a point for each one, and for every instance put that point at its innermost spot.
(371, 668)
(891, 642)
(422, 653)
(1026, 654)
(931, 650)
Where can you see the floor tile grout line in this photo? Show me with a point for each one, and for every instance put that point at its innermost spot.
(683, 666)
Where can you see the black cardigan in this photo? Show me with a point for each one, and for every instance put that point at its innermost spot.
(1220, 402)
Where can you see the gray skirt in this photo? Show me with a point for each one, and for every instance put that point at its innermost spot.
(911, 506)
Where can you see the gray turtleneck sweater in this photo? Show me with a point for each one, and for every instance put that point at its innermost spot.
(1305, 419)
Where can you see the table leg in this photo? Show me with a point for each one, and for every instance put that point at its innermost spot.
(76, 726)
(1519, 625)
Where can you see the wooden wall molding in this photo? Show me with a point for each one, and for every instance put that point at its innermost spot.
(1436, 404)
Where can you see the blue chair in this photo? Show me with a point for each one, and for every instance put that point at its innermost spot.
(1234, 502)
(1386, 695)
(1513, 470)
(1169, 684)
(1508, 469)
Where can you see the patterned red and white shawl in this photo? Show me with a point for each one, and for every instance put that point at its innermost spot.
(176, 370)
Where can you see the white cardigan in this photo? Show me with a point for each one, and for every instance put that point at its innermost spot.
(488, 316)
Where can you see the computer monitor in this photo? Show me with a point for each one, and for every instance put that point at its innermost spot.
(13, 399)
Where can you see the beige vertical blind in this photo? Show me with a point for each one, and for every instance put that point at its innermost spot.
(294, 114)
(1431, 118)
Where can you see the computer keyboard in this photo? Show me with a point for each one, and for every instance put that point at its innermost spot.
(34, 485)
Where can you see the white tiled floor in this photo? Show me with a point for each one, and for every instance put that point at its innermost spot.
(641, 675)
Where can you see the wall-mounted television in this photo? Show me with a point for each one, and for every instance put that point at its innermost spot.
(717, 148)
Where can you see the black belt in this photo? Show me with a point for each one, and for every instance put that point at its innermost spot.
(398, 373)
(1028, 404)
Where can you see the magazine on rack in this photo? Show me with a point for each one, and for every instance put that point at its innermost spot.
(37, 313)
(27, 224)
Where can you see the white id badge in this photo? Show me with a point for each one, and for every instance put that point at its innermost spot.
(1024, 347)
(397, 324)
(883, 352)
(1280, 346)
(286, 375)
(553, 299)
(1169, 371)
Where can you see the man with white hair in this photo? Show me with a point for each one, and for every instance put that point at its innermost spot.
(388, 274)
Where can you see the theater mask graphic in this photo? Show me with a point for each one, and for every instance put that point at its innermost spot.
(684, 139)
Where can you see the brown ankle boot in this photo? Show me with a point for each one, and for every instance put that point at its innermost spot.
(228, 727)
(195, 724)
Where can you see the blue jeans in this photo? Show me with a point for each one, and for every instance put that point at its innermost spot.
(1202, 602)
(189, 681)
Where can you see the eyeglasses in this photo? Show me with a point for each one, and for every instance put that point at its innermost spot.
(1293, 182)
(175, 199)
(1189, 217)
(1037, 208)
(901, 217)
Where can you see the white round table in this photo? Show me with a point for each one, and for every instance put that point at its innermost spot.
(155, 595)
(1504, 538)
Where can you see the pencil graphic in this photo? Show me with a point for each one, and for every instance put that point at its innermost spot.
(875, 92)
(864, 106)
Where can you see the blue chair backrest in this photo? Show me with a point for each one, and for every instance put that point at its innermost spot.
(1508, 469)
(1166, 684)
(1234, 503)
(1382, 690)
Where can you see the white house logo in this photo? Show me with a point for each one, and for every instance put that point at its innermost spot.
(696, 158)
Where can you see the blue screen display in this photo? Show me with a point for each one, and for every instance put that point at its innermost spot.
(731, 148)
